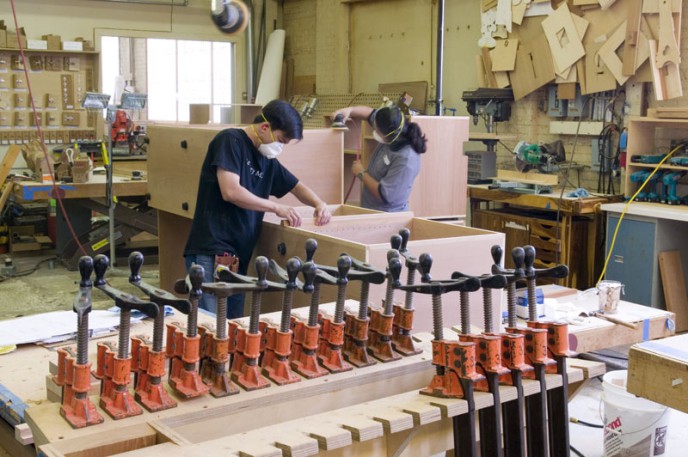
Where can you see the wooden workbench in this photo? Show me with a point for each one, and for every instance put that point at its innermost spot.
(365, 408)
(531, 219)
(95, 188)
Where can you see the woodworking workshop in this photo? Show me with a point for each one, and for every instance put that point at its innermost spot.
(343, 228)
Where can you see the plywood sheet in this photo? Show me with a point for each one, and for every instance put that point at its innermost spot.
(608, 53)
(504, 55)
(598, 78)
(674, 285)
(563, 38)
(534, 66)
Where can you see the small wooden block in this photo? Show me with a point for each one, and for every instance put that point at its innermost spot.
(296, 444)
(392, 418)
(330, 436)
(362, 427)
(23, 434)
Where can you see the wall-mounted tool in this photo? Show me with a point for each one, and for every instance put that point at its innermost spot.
(184, 345)
(332, 334)
(75, 375)
(115, 398)
(278, 344)
(403, 315)
(454, 361)
(148, 358)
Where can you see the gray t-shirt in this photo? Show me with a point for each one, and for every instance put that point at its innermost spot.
(395, 171)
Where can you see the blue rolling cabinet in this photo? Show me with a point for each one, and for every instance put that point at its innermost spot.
(634, 261)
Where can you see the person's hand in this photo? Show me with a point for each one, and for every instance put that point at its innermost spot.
(289, 214)
(346, 112)
(322, 214)
(357, 167)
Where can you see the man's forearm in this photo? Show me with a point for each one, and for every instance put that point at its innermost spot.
(306, 196)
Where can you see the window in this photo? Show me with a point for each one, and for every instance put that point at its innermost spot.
(174, 73)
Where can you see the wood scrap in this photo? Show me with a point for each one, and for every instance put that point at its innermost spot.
(504, 55)
(518, 10)
(652, 6)
(598, 78)
(633, 38)
(480, 71)
(605, 4)
(608, 53)
(487, 63)
(534, 66)
(565, 43)
(667, 47)
(674, 285)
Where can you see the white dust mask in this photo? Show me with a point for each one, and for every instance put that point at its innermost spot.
(271, 150)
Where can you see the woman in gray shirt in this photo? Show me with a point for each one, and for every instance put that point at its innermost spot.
(395, 162)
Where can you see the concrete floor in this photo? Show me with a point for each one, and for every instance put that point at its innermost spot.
(51, 287)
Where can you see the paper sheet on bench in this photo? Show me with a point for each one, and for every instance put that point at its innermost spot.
(55, 326)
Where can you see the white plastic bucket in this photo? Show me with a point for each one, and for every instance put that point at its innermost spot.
(632, 425)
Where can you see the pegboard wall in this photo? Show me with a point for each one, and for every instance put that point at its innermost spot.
(58, 82)
(327, 104)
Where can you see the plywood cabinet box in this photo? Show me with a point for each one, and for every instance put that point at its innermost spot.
(174, 160)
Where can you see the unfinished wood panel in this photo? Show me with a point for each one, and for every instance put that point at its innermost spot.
(608, 53)
(441, 185)
(564, 41)
(173, 231)
(674, 287)
(452, 247)
(174, 167)
(633, 38)
(657, 371)
(534, 65)
(504, 55)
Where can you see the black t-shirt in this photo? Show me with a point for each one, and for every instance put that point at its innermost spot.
(219, 226)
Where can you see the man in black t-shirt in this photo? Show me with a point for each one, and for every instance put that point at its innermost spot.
(239, 174)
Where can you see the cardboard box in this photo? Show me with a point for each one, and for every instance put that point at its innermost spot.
(87, 44)
(72, 46)
(54, 42)
(12, 42)
(199, 113)
(37, 44)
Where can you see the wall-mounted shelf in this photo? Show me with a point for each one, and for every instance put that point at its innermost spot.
(47, 51)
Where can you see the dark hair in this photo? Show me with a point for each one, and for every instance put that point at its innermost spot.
(282, 116)
(388, 119)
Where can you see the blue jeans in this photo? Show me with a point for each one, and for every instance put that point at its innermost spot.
(235, 303)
